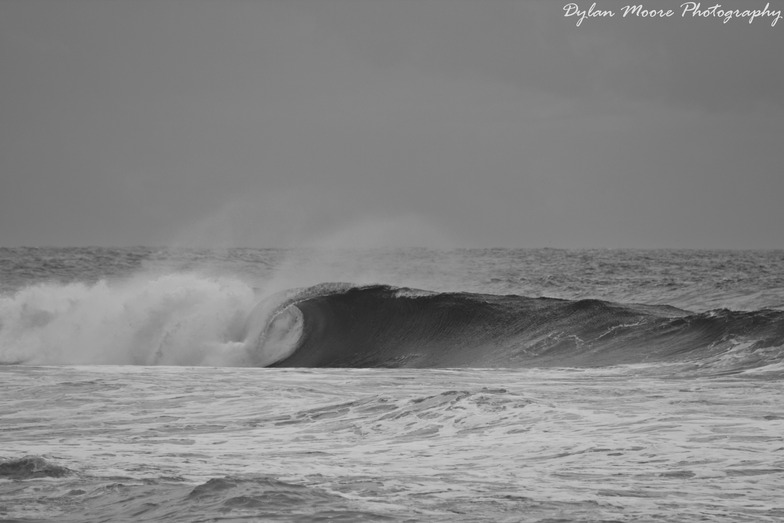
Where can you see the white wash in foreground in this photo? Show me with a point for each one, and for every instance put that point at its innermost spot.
(623, 443)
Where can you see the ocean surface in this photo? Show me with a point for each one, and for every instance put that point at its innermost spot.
(148, 384)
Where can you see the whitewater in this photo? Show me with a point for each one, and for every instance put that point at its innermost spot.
(146, 384)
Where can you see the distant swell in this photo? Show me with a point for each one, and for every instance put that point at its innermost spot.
(381, 326)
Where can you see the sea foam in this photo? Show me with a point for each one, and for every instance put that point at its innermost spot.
(172, 319)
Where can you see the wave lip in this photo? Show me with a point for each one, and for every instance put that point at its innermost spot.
(339, 325)
(278, 337)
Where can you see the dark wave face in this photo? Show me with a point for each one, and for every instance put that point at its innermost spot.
(381, 326)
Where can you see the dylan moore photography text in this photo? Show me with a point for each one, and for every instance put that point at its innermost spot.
(695, 10)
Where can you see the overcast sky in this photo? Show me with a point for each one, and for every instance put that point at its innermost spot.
(427, 122)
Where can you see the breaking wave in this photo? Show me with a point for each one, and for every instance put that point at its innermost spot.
(382, 326)
(192, 319)
(173, 319)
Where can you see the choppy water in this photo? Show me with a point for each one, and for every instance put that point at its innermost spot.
(89, 431)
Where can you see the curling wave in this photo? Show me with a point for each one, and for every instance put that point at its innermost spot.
(339, 325)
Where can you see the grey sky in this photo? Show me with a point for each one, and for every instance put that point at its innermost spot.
(444, 122)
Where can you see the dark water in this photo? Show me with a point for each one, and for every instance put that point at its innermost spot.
(468, 385)
(384, 326)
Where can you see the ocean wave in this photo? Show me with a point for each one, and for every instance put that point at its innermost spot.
(29, 467)
(193, 319)
(383, 326)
